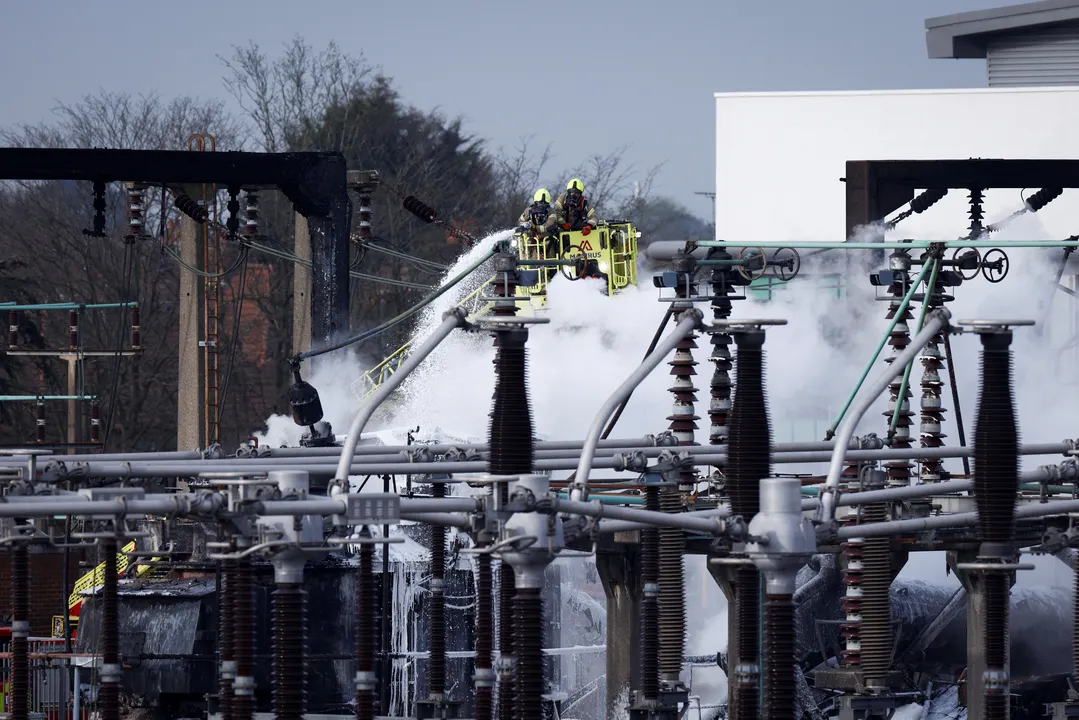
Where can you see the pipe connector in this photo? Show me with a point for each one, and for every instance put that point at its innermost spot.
(459, 312)
(483, 677)
(781, 539)
(365, 681)
(289, 562)
(243, 685)
(111, 673)
(535, 538)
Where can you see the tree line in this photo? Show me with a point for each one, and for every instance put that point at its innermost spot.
(302, 99)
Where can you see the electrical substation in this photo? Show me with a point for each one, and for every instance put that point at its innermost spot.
(530, 576)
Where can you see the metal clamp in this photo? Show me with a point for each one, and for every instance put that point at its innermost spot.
(355, 540)
(993, 326)
(496, 547)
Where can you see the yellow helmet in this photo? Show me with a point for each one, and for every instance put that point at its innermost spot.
(542, 196)
(576, 184)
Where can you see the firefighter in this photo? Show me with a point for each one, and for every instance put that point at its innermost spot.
(536, 218)
(572, 210)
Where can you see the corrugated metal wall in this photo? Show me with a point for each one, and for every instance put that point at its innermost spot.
(1048, 56)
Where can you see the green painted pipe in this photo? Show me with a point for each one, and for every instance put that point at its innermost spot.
(35, 398)
(914, 245)
(1028, 487)
(66, 306)
(880, 346)
(910, 366)
(610, 499)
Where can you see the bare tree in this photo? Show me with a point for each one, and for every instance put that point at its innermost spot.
(614, 186)
(287, 99)
(519, 174)
(43, 225)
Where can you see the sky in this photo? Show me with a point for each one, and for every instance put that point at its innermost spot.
(585, 77)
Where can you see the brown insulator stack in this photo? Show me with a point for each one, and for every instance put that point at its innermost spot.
(932, 409)
(528, 652)
(109, 691)
(649, 624)
(437, 608)
(512, 452)
(876, 609)
(289, 649)
(251, 213)
(365, 632)
(364, 215)
(136, 210)
(719, 407)
(779, 659)
(418, 208)
(190, 207)
(243, 638)
(899, 471)
(20, 633)
(996, 484)
(506, 592)
(224, 640)
(683, 418)
(1075, 631)
(976, 212)
(484, 635)
(749, 460)
(852, 564)
(73, 329)
(672, 590)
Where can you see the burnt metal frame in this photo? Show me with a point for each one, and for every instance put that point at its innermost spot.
(315, 183)
(878, 187)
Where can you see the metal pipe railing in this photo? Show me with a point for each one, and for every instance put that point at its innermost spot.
(794, 452)
(617, 462)
(906, 245)
(686, 521)
(955, 520)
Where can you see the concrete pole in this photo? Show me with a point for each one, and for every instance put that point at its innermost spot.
(724, 578)
(972, 583)
(620, 575)
(301, 289)
(190, 428)
(74, 420)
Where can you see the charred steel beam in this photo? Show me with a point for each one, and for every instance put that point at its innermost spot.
(875, 188)
(315, 183)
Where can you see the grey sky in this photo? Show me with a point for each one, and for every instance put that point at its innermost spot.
(585, 76)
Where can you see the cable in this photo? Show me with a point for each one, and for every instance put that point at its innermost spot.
(234, 343)
(285, 255)
(438, 292)
(405, 256)
(209, 276)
